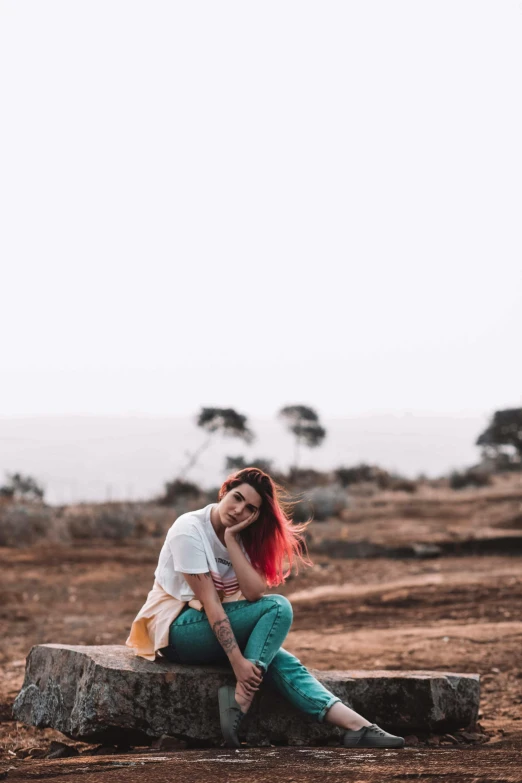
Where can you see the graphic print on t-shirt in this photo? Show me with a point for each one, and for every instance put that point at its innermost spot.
(228, 586)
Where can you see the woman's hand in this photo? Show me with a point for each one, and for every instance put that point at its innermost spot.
(233, 531)
(248, 675)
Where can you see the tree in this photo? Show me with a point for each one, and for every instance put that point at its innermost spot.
(213, 420)
(20, 487)
(179, 490)
(504, 430)
(303, 422)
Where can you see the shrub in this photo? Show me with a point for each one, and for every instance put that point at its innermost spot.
(469, 478)
(305, 478)
(108, 521)
(401, 484)
(302, 511)
(372, 474)
(177, 490)
(154, 521)
(24, 525)
(363, 473)
(211, 495)
(321, 503)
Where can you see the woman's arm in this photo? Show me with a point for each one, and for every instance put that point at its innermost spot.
(205, 591)
(247, 673)
(251, 583)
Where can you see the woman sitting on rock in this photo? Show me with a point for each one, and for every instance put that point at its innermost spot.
(208, 604)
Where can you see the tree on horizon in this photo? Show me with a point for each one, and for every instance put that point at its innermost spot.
(20, 487)
(504, 429)
(303, 422)
(227, 422)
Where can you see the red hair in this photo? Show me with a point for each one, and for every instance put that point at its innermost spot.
(272, 541)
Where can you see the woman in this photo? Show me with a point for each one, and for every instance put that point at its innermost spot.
(208, 605)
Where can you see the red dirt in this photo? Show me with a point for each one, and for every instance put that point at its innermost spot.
(457, 614)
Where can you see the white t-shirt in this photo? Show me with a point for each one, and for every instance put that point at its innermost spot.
(192, 547)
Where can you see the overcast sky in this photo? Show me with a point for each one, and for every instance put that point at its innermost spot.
(253, 204)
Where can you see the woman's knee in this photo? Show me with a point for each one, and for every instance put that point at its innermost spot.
(284, 607)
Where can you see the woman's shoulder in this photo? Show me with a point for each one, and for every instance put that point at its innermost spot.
(189, 523)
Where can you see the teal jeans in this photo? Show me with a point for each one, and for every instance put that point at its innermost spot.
(260, 627)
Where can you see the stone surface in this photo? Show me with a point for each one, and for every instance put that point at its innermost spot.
(106, 694)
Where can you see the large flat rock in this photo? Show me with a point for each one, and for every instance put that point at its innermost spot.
(106, 694)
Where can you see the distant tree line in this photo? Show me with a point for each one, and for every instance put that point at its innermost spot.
(301, 420)
(500, 443)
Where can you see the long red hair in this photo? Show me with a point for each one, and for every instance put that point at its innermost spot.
(273, 542)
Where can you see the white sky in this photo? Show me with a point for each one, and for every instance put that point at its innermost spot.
(256, 204)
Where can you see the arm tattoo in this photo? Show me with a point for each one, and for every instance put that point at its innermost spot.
(224, 634)
(222, 628)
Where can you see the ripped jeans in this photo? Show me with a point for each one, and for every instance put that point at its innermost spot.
(260, 628)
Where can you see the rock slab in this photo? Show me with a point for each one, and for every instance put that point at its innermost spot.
(107, 694)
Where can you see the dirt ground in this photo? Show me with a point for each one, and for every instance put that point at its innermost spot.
(449, 613)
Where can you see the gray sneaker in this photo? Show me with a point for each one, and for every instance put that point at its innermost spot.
(371, 737)
(230, 715)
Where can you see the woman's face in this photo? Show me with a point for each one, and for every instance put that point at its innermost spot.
(238, 504)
